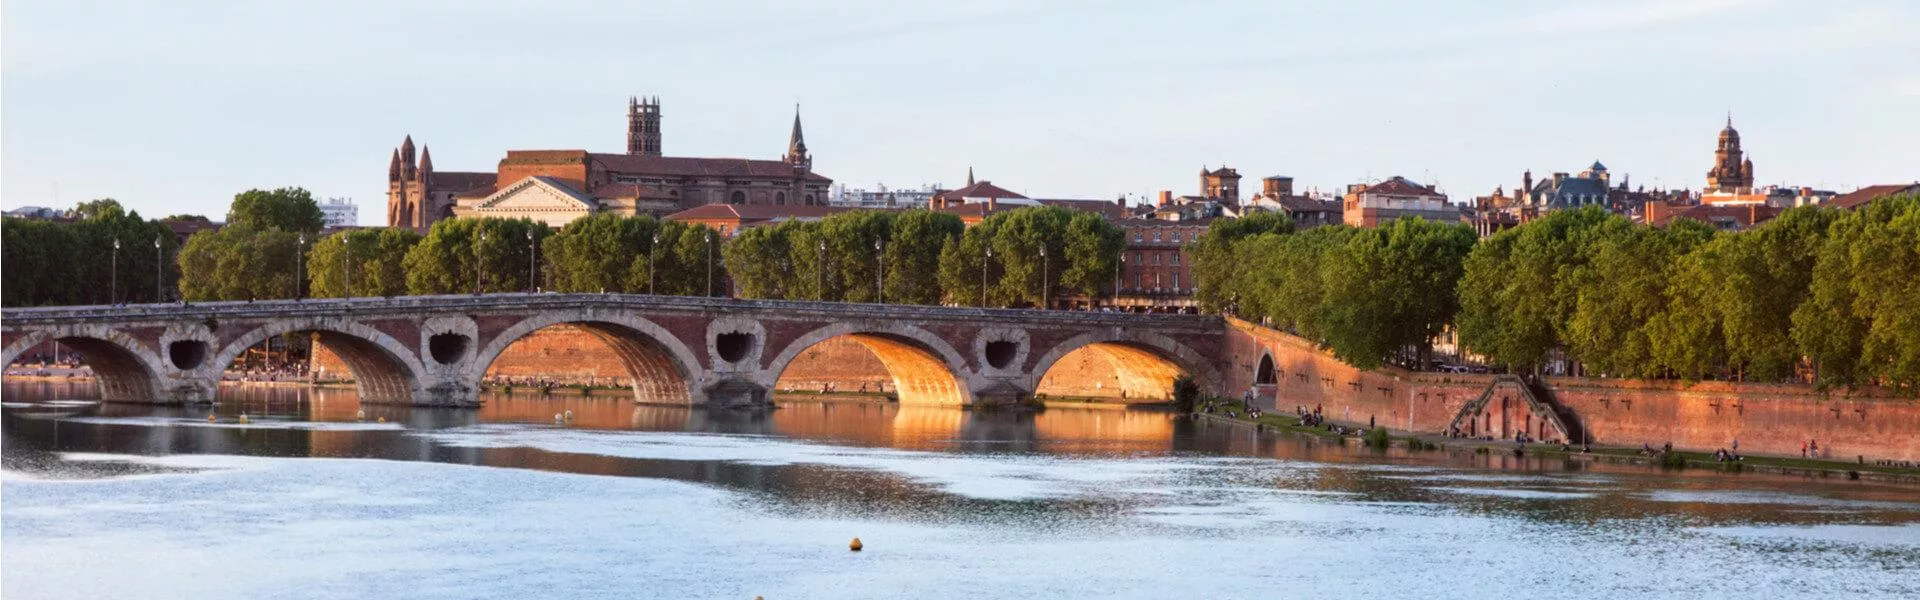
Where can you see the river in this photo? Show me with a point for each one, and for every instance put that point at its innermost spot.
(320, 497)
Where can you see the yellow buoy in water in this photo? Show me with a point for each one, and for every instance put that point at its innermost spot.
(856, 545)
(243, 417)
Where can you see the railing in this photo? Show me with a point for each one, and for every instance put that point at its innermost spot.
(551, 301)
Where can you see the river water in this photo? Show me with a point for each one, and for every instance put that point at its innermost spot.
(312, 500)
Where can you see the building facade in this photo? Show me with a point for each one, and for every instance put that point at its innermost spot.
(339, 212)
(558, 186)
(1370, 205)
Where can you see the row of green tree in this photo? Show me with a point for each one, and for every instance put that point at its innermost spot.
(75, 262)
(1364, 293)
(1834, 293)
(1818, 290)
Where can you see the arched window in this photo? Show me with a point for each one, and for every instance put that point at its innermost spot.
(739, 197)
(780, 198)
(809, 199)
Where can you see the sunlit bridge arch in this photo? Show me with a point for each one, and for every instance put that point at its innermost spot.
(657, 365)
(1123, 365)
(125, 369)
(383, 369)
(922, 368)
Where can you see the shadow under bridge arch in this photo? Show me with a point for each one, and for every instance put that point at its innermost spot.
(123, 367)
(1125, 367)
(383, 369)
(657, 366)
(907, 362)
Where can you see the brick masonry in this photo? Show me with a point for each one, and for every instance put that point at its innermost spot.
(1767, 418)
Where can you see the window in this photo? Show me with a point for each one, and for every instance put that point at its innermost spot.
(809, 199)
(1176, 237)
(780, 198)
(1156, 259)
(1176, 281)
(739, 197)
(1137, 260)
(1176, 259)
(1138, 237)
(1138, 280)
(1156, 237)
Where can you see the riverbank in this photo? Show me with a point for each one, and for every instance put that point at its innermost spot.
(1779, 465)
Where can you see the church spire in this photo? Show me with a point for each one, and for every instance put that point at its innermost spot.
(797, 144)
(969, 175)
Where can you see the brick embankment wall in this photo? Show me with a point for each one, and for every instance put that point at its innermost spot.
(1770, 419)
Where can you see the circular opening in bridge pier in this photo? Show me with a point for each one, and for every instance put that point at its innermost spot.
(733, 346)
(1001, 353)
(447, 348)
(187, 354)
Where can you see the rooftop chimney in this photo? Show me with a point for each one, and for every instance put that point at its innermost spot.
(1166, 197)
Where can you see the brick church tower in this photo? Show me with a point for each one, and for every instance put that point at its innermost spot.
(643, 126)
(1730, 172)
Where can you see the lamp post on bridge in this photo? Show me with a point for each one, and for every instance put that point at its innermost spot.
(880, 273)
(823, 270)
(113, 287)
(346, 267)
(160, 263)
(299, 243)
(1043, 278)
(651, 251)
(983, 276)
(533, 261)
(1117, 267)
(710, 242)
(479, 267)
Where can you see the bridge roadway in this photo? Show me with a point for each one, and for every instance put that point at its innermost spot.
(434, 350)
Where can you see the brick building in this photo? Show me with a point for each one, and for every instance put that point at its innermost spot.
(558, 186)
(1369, 205)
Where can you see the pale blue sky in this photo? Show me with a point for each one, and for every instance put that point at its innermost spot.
(174, 107)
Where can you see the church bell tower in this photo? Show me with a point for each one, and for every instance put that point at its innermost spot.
(643, 126)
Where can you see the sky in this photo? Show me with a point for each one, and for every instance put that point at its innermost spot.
(173, 108)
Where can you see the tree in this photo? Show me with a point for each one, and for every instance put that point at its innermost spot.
(238, 262)
(1763, 280)
(1391, 287)
(1517, 293)
(595, 253)
(761, 261)
(913, 255)
(1861, 321)
(1089, 255)
(1216, 269)
(1079, 257)
(99, 209)
(964, 267)
(375, 257)
(681, 262)
(485, 255)
(853, 260)
(1622, 291)
(289, 209)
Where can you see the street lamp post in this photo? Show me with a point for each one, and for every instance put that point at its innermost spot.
(533, 260)
(710, 242)
(652, 250)
(983, 277)
(1043, 278)
(159, 263)
(823, 270)
(880, 273)
(346, 267)
(479, 269)
(1116, 279)
(299, 242)
(113, 287)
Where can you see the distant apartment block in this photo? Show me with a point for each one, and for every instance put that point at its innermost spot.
(340, 212)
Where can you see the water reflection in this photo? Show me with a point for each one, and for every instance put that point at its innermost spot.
(876, 472)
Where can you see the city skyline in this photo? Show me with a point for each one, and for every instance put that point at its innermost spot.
(1061, 102)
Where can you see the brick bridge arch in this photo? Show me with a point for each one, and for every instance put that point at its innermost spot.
(661, 368)
(1145, 362)
(925, 368)
(126, 368)
(384, 369)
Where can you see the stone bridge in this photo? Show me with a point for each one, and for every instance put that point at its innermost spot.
(434, 350)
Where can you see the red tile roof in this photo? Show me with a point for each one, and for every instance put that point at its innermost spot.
(984, 189)
(1400, 186)
(1745, 214)
(757, 212)
(680, 166)
(1856, 198)
(460, 181)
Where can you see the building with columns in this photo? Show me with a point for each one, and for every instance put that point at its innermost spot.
(558, 186)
